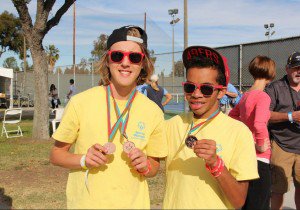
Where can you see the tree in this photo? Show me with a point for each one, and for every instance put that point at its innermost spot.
(152, 56)
(179, 69)
(99, 47)
(11, 63)
(34, 34)
(52, 56)
(11, 37)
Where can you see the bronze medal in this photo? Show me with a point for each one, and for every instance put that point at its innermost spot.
(111, 147)
(189, 141)
(128, 146)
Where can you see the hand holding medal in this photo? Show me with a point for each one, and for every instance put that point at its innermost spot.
(206, 149)
(139, 160)
(95, 156)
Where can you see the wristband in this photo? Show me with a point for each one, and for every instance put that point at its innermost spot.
(82, 162)
(290, 116)
(149, 167)
(216, 170)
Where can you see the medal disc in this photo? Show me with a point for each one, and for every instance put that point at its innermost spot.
(189, 141)
(128, 146)
(111, 147)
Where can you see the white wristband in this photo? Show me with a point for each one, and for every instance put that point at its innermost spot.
(290, 116)
(82, 162)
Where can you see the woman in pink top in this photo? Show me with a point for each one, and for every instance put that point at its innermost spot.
(253, 110)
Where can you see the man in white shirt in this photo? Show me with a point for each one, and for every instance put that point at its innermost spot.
(72, 91)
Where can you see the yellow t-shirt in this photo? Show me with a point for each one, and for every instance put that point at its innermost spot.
(115, 185)
(189, 184)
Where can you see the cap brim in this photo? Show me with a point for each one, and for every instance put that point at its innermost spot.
(295, 65)
(200, 52)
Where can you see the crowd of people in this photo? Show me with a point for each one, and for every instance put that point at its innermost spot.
(244, 160)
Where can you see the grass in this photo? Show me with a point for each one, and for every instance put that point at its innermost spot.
(29, 181)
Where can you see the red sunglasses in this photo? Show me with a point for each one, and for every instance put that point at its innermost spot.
(206, 89)
(118, 56)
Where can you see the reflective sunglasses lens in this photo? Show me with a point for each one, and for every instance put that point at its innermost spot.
(207, 90)
(135, 57)
(116, 56)
(189, 88)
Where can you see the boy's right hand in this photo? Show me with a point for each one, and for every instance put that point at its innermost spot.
(95, 156)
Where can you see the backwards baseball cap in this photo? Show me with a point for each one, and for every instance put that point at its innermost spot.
(294, 60)
(120, 34)
(199, 53)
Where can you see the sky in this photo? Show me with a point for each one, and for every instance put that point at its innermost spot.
(211, 23)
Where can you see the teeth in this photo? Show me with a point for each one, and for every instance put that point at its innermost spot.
(125, 72)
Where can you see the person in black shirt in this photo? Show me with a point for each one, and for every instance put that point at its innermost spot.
(284, 129)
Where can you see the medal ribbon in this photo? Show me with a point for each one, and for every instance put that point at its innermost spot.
(112, 130)
(213, 115)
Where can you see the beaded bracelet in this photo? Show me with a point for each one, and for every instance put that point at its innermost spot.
(217, 170)
(149, 167)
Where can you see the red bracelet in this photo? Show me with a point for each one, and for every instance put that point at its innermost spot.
(149, 167)
(217, 170)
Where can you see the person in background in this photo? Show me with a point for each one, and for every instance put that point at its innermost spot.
(211, 156)
(284, 129)
(156, 93)
(72, 90)
(231, 97)
(116, 132)
(142, 87)
(53, 94)
(253, 110)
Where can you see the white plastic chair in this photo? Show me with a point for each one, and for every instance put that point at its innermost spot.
(58, 115)
(14, 116)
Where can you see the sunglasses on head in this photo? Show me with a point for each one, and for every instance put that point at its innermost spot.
(118, 56)
(206, 89)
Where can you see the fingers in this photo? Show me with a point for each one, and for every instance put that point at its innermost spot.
(138, 159)
(95, 156)
(206, 149)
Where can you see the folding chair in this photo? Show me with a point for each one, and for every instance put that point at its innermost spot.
(14, 118)
(58, 115)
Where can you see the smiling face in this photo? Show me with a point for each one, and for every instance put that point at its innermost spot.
(201, 105)
(124, 74)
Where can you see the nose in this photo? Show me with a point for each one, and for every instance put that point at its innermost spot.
(126, 60)
(197, 93)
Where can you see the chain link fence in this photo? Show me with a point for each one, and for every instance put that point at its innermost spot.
(86, 75)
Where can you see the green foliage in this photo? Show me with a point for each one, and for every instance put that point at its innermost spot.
(11, 63)
(11, 37)
(99, 47)
(52, 55)
(179, 69)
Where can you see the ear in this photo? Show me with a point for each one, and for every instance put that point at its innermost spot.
(222, 92)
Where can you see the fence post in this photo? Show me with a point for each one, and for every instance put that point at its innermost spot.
(240, 67)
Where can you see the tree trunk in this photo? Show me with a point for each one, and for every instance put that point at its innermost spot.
(41, 104)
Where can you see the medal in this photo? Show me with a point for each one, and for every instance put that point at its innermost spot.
(110, 147)
(128, 146)
(189, 141)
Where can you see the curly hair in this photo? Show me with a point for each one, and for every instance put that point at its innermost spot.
(145, 73)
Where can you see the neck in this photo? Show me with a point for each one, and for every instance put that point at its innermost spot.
(121, 92)
(259, 84)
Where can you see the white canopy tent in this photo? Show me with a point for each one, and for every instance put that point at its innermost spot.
(7, 74)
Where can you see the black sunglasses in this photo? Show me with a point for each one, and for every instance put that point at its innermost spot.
(206, 89)
(118, 56)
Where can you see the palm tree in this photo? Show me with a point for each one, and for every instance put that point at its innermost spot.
(52, 56)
